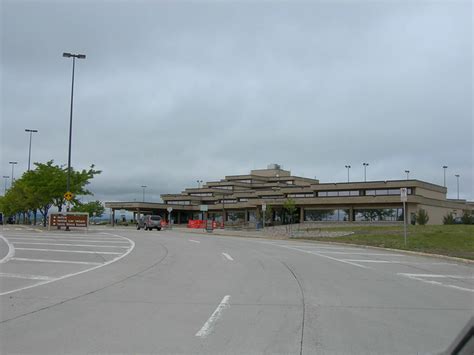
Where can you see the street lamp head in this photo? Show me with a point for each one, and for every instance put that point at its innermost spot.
(13, 162)
(457, 175)
(445, 166)
(69, 55)
(31, 130)
(407, 171)
(6, 177)
(365, 164)
(348, 166)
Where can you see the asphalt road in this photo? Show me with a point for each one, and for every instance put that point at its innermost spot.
(173, 292)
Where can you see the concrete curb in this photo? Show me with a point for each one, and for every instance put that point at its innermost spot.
(410, 252)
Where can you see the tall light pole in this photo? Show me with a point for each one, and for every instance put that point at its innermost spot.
(365, 170)
(5, 188)
(30, 131)
(348, 167)
(73, 56)
(444, 168)
(408, 174)
(13, 163)
(457, 178)
(143, 187)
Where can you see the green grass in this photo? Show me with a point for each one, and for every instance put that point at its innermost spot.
(451, 240)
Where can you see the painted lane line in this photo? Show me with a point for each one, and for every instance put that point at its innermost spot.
(438, 276)
(67, 240)
(11, 250)
(361, 253)
(325, 256)
(194, 241)
(72, 245)
(436, 283)
(228, 256)
(209, 325)
(394, 262)
(132, 246)
(47, 237)
(72, 251)
(23, 276)
(56, 261)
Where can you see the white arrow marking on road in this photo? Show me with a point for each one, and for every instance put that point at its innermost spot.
(209, 325)
(228, 256)
(194, 241)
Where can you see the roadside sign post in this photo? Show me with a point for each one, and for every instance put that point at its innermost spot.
(169, 209)
(68, 196)
(404, 199)
(264, 208)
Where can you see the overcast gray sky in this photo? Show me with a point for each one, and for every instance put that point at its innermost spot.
(175, 91)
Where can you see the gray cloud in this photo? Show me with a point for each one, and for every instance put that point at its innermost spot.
(172, 92)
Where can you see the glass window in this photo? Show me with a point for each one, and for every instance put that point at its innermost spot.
(369, 192)
(235, 216)
(337, 215)
(322, 193)
(394, 192)
(354, 193)
(344, 193)
(381, 192)
(252, 216)
(332, 193)
(379, 214)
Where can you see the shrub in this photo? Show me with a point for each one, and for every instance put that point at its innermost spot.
(422, 217)
(448, 219)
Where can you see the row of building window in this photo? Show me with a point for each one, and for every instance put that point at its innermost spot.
(184, 203)
(360, 215)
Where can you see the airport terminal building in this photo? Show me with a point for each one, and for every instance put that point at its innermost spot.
(238, 199)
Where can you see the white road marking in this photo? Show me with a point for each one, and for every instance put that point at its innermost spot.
(56, 261)
(324, 256)
(228, 256)
(132, 246)
(23, 276)
(359, 253)
(72, 245)
(394, 262)
(11, 250)
(36, 239)
(194, 241)
(438, 276)
(419, 277)
(72, 251)
(209, 325)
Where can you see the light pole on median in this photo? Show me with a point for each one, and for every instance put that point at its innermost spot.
(444, 168)
(13, 163)
(143, 187)
(348, 167)
(365, 171)
(30, 131)
(457, 178)
(73, 56)
(5, 177)
(408, 174)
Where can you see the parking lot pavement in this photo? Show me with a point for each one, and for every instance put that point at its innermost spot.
(29, 257)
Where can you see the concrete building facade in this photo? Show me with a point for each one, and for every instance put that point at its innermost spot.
(238, 199)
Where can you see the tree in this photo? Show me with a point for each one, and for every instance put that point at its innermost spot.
(422, 217)
(467, 217)
(448, 219)
(290, 209)
(268, 214)
(90, 208)
(43, 187)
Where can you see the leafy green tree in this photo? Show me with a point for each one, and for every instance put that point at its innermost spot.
(290, 210)
(90, 208)
(467, 217)
(422, 217)
(43, 187)
(448, 219)
(268, 214)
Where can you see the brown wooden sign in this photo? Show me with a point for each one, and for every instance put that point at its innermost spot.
(69, 219)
